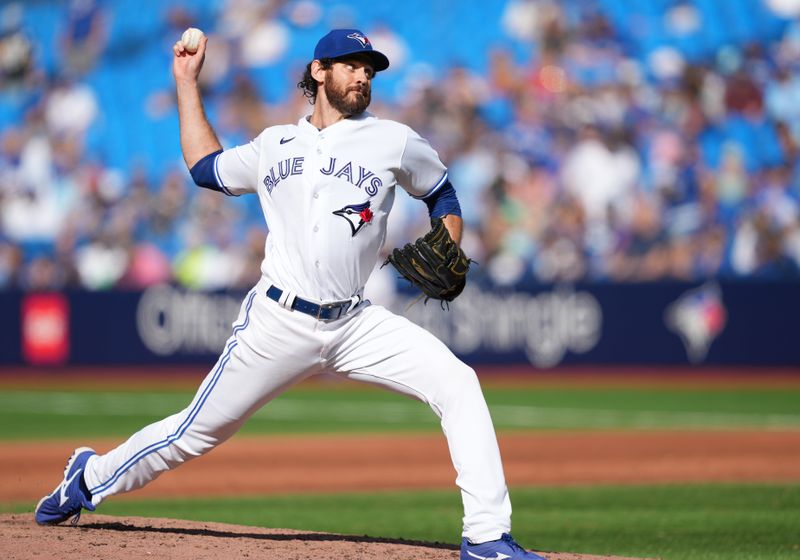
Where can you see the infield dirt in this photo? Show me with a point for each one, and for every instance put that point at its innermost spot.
(293, 464)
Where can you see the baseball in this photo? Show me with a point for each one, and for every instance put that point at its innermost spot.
(191, 39)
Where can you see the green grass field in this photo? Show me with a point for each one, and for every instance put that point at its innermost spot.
(40, 414)
(680, 522)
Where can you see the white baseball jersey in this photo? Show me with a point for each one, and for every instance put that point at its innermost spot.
(326, 195)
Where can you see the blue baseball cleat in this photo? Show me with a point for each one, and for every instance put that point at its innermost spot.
(503, 549)
(70, 496)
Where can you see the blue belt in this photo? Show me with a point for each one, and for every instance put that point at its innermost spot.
(323, 312)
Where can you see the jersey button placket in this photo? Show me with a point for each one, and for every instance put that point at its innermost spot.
(316, 210)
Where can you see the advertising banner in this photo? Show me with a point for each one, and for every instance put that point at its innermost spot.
(637, 324)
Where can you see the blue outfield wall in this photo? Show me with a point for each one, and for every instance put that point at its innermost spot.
(666, 323)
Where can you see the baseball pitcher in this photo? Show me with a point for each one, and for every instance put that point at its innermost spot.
(326, 186)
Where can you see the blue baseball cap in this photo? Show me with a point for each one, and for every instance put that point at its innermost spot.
(342, 42)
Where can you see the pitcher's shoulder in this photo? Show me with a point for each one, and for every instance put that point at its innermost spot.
(386, 126)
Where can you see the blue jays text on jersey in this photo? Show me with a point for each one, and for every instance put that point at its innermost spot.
(294, 166)
(286, 167)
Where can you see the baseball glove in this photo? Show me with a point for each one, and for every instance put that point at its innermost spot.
(433, 263)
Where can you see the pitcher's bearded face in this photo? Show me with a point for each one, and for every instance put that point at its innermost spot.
(348, 87)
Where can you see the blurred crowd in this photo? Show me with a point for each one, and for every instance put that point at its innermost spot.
(578, 162)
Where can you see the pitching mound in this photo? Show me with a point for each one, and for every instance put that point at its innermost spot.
(106, 537)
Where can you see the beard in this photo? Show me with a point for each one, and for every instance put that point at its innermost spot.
(342, 100)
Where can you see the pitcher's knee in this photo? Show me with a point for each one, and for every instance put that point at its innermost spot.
(197, 441)
(467, 376)
(458, 384)
(183, 449)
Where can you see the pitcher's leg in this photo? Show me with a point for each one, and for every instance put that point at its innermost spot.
(385, 349)
(166, 444)
(269, 351)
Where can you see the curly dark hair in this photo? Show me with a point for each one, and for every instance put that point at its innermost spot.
(308, 84)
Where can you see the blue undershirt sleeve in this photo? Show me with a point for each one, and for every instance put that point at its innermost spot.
(203, 173)
(443, 202)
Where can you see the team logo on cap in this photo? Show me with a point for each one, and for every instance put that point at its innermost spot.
(356, 215)
(360, 38)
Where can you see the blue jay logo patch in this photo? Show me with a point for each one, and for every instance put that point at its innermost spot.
(356, 215)
(360, 38)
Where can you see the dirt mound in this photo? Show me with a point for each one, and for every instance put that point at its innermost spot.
(109, 538)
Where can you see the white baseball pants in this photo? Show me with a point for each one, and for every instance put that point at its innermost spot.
(272, 348)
